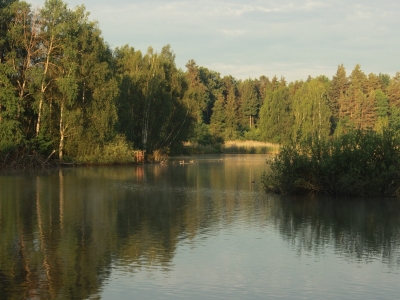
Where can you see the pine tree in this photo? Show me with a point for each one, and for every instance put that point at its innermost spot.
(354, 106)
(382, 111)
(394, 90)
(276, 118)
(263, 84)
(374, 83)
(337, 94)
(197, 91)
(218, 117)
(212, 80)
(231, 119)
(249, 102)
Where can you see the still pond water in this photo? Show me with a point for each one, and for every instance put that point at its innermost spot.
(203, 230)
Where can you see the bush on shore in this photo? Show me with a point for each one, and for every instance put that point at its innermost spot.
(353, 164)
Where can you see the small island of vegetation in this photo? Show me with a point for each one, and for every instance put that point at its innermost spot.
(353, 164)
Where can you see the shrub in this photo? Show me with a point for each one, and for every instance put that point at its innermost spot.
(254, 134)
(354, 164)
(116, 151)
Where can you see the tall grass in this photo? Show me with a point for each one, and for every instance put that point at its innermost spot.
(354, 164)
(196, 148)
(249, 147)
(232, 147)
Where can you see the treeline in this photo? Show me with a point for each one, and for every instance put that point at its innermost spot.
(276, 111)
(64, 90)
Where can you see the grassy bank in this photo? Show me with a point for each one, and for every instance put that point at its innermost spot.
(249, 147)
(232, 147)
(119, 152)
(354, 164)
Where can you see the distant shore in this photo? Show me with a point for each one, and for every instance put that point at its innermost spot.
(34, 160)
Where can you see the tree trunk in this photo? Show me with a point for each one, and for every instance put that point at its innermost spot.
(62, 134)
(43, 87)
(39, 115)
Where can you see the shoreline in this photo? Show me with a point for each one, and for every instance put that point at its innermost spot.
(34, 160)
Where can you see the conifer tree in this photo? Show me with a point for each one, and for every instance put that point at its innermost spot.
(394, 90)
(213, 82)
(249, 102)
(382, 111)
(276, 119)
(263, 84)
(337, 94)
(354, 106)
(217, 124)
(231, 119)
(197, 91)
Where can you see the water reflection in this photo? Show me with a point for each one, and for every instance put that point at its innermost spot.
(63, 232)
(358, 229)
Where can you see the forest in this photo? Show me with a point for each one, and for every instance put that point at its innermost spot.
(65, 94)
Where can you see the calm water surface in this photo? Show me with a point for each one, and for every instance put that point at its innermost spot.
(202, 230)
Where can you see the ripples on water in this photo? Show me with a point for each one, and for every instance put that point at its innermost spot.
(200, 231)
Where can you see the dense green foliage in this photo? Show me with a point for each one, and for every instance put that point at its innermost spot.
(354, 164)
(62, 86)
(63, 89)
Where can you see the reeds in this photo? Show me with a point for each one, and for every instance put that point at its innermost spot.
(249, 147)
(232, 147)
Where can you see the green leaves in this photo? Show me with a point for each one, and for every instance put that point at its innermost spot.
(311, 111)
(276, 117)
(354, 164)
(10, 129)
(154, 111)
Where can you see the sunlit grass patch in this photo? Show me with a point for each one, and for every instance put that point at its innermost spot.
(195, 148)
(249, 147)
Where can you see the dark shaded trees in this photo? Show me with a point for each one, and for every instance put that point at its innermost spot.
(154, 111)
(249, 102)
(276, 118)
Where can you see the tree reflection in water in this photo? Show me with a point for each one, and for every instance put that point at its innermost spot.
(62, 231)
(359, 229)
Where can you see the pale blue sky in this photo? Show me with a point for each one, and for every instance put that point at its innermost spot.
(250, 38)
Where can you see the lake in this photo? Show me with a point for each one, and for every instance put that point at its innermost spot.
(199, 230)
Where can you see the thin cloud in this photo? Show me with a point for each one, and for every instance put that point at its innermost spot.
(232, 32)
(259, 37)
(290, 71)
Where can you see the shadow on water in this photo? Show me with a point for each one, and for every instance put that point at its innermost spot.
(62, 231)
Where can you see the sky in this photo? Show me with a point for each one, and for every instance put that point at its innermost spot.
(247, 39)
